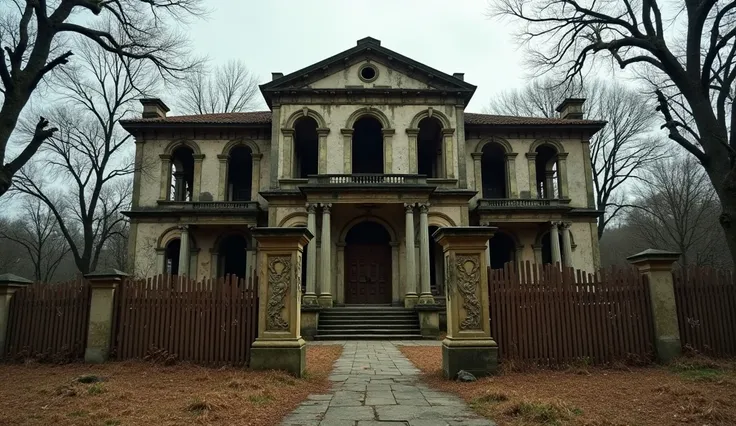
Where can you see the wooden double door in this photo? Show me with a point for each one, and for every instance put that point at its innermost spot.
(367, 273)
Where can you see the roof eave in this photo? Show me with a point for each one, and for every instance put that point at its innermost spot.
(132, 126)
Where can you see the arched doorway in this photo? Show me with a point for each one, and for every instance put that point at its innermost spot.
(493, 171)
(171, 265)
(306, 147)
(502, 249)
(232, 259)
(367, 264)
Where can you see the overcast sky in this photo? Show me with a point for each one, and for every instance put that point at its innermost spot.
(286, 35)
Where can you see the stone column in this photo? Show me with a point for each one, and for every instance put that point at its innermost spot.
(537, 254)
(279, 345)
(411, 297)
(9, 284)
(215, 262)
(531, 158)
(310, 297)
(99, 328)
(554, 241)
(388, 150)
(425, 298)
(184, 254)
(160, 260)
(222, 189)
(413, 134)
(468, 345)
(325, 297)
(566, 244)
(656, 265)
(347, 151)
(562, 175)
(165, 176)
(322, 153)
(287, 161)
(197, 180)
(512, 189)
(478, 172)
(255, 186)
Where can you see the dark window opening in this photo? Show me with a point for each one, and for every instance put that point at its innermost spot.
(546, 168)
(182, 174)
(232, 256)
(368, 233)
(368, 73)
(502, 249)
(367, 146)
(547, 249)
(306, 147)
(171, 267)
(493, 171)
(436, 265)
(429, 148)
(240, 174)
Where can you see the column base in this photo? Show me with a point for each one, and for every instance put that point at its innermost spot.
(309, 299)
(325, 300)
(426, 299)
(429, 321)
(411, 300)
(668, 348)
(95, 355)
(309, 320)
(478, 357)
(290, 356)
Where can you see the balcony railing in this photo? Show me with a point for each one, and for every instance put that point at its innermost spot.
(210, 205)
(496, 203)
(368, 179)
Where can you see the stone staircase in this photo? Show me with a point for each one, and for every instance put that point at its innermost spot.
(363, 322)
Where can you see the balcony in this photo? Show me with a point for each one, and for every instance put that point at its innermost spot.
(367, 179)
(210, 206)
(202, 209)
(490, 205)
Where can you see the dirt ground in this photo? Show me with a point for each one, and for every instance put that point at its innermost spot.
(138, 393)
(692, 391)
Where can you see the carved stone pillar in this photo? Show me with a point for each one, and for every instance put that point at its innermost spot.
(325, 297)
(468, 345)
(197, 180)
(310, 297)
(566, 244)
(255, 181)
(411, 297)
(279, 345)
(184, 252)
(512, 190)
(322, 150)
(165, 177)
(478, 172)
(222, 189)
(413, 134)
(347, 150)
(425, 298)
(101, 312)
(388, 150)
(562, 174)
(554, 241)
(287, 161)
(448, 153)
(531, 158)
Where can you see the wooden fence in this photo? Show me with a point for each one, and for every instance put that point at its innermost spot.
(550, 317)
(213, 321)
(49, 321)
(706, 310)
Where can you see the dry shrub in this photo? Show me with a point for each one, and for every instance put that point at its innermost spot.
(160, 356)
(199, 406)
(551, 414)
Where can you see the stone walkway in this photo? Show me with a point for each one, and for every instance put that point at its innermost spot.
(374, 384)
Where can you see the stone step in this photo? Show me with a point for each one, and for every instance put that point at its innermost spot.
(376, 322)
(373, 318)
(322, 332)
(356, 336)
(368, 326)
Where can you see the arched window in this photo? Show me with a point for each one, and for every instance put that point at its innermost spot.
(182, 174)
(232, 260)
(367, 149)
(546, 169)
(429, 148)
(493, 171)
(306, 147)
(171, 257)
(502, 248)
(240, 174)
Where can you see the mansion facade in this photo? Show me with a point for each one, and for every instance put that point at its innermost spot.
(373, 152)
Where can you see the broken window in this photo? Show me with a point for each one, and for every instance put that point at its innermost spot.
(429, 148)
(493, 171)
(367, 146)
(182, 174)
(306, 147)
(171, 258)
(240, 174)
(546, 168)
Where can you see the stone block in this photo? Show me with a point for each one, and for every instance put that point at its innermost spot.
(429, 320)
(309, 320)
(290, 359)
(480, 360)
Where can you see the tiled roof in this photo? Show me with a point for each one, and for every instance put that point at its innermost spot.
(264, 117)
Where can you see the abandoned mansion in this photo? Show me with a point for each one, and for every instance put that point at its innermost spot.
(372, 152)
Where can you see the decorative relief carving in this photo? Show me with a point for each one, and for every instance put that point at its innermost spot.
(279, 272)
(299, 273)
(467, 268)
(449, 279)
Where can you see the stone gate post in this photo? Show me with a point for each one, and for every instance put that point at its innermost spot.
(656, 265)
(9, 283)
(279, 345)
(101, 311)
(469, 345)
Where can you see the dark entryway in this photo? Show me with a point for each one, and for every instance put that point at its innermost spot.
(367, 264)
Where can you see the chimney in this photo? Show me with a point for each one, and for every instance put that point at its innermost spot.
(571, 108)
(154, 108)
(276, 75)
(459, 75)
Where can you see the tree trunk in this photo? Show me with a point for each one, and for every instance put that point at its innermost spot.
(726, 190)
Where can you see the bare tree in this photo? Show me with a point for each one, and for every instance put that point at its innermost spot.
(618, 151)
(228, 88)
(115, 252)
(685, 49)
(36, 232)
(91, 153)
(36, 36)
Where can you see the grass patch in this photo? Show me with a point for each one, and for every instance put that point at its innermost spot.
(79, 413)
(541, 413)
(112, 422)
(703, 374)
(199, 406)
(96, 389)
(260, 398)
(88, 379)
(491, 398)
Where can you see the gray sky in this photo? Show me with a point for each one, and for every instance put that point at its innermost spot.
(286, 35)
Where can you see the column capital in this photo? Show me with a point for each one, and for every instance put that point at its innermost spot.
(555, 224)
(223, 157)
(198, 157)
(311, 208)
(412, 131)
(476, 155)
(409, 207)
(562, 155)
(326, 208)
(448, 132)
(346, 132)
(256, 157)
(424, 208)
(531, 155)
(511, 155)
(286, 131)
(565, 225)
(183, 228)
(323, 131)
(388, 132)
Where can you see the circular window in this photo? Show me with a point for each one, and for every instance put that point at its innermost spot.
(368, 73)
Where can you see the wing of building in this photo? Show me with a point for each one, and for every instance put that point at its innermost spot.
(373, 152)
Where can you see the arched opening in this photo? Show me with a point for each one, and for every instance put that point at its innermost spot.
(306, 147)
(436, 265)
(182, 174)
(547, 249)
(171, 258)
(231, 259)
(368, 264)
(367, 146)
(502, 248)
(493, 171)
(429, 148)
(240, 174)
(546, 168)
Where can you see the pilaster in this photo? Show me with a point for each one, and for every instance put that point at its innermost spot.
(448, 145)
(425, 298)
(411, 297)
(99, 329)
(562, 175)
(287, 152)
(310, 297)
(531, 158)
(165, 181)
(413, 134)
(513, 191)
(224, 161)
(184, 254)
(478, 172)
(325, 297)
(388, 150)
(197, 185)
(322, 133)
(255, 186)
(347, 150)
